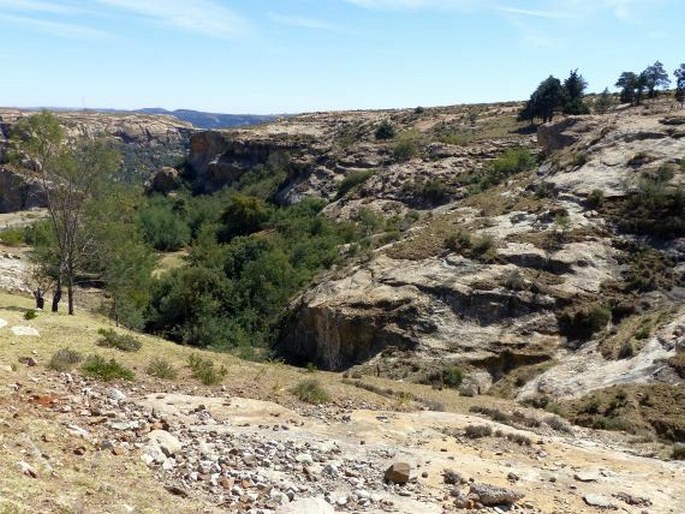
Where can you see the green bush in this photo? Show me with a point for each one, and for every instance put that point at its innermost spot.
(64, 360)
(123, 342)
(98, 367)
(30, 314)
(407, 146)
(582, 323)
(353, 180)
(162, 227)
(385, 130)
(595, 199)
(161, 368)
(243, 215)
(12, 236)
(311, 391)
(204, 370)
(452, 377)
(510, 162)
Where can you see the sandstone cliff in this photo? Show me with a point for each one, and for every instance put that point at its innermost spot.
(555, 260)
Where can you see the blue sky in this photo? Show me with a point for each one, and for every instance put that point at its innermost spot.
(273, 56)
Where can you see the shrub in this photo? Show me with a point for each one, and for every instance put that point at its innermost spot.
(595, 199)
(459, 241)
(434, 191)
(452, 377)
(353, 180)
(311, 391)
(627, 350)
(482, 246)
(12, 236)
(578, 159)
(123, 342)
(559, 424)
(163, 228)
(407, 146)
(64, 360)
(30, 314)
(98, 367)
(514, 281)
(203, 370)
(385, 131)
(477, 431)
(582, 323)
(243, 215)
(161, 368)
(512, 161)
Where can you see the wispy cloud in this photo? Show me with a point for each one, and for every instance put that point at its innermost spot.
(303, 21)
(56, 28)
(535, 13)
(38, 6)
(412, 4)
(206, 17)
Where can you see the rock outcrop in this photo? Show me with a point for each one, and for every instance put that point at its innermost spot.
(146, 142)
(19, 192)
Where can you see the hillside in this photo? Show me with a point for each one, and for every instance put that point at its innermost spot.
(549, 283)
(447, 267)
(74, 443)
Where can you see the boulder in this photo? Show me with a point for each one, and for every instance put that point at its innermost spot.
(165, 180)
(398, 473)
(491, 496)
(167, 442)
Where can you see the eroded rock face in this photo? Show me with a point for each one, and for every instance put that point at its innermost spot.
(431, 308)
(561, 134)
(19, 192)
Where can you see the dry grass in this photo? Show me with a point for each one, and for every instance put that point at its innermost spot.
(96, 481)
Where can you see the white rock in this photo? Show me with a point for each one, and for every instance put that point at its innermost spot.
(116, 395)
(21, 330)
(164, 440)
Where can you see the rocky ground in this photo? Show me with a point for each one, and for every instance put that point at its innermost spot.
(74, 444)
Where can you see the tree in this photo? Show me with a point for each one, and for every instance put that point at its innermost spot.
(574, 90)
(632, 87)
(680, 84)
(655, 77)
(604, 101)
(385, 130)
(544, 101)
(121, 260)
(72, 177)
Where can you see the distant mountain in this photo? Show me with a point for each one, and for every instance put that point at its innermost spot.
(209, 120)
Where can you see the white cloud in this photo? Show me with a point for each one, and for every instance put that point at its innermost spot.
(38, 6)
(302, 21)
(206, 17)
(54, 27)
(412, 4)
(535, 13)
